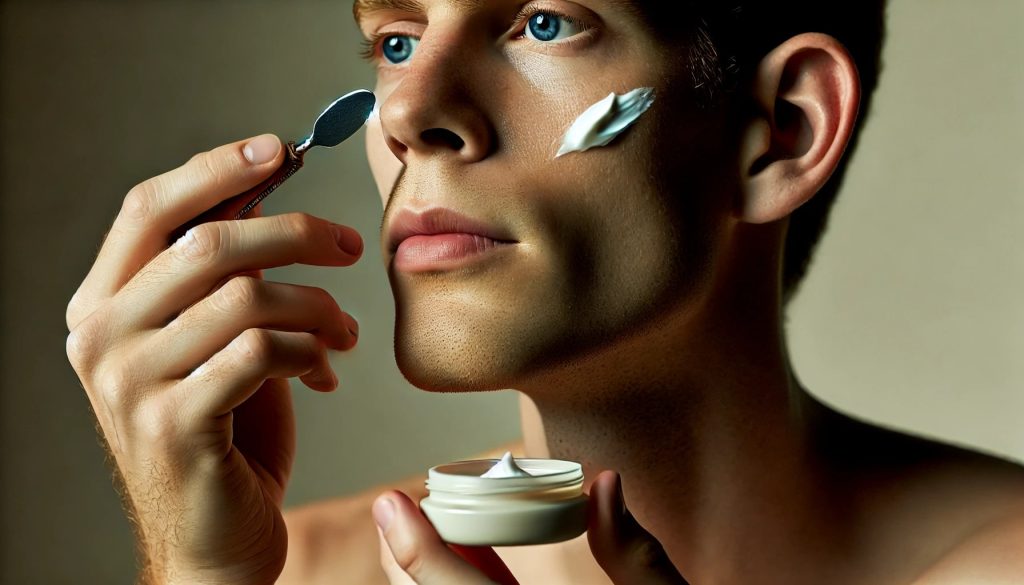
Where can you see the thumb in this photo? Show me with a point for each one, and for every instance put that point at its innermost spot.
(413, 552)
(626, 552)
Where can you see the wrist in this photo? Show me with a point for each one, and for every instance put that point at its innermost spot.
(153, 576)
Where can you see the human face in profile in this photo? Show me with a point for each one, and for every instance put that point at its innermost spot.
(543, 258)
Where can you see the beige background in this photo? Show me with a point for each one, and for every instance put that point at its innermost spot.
(911, 315)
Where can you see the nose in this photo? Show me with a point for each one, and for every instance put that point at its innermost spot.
(434, 110)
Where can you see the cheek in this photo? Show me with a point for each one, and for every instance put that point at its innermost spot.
(615, 243)
(631, 231)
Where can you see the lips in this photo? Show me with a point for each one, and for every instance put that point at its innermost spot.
(439, 238)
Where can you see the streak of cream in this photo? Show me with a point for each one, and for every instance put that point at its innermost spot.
(606, 120)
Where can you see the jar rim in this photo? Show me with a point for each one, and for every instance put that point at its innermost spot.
(464, 476)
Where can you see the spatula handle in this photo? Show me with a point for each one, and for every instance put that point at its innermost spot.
(240, 205)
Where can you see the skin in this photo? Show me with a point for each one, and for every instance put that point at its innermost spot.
(644, 333)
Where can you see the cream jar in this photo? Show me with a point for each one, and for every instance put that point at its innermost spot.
(546, 506)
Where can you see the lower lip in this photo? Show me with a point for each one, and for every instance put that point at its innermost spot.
(442, 251)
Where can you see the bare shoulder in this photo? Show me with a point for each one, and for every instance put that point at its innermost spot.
(993, 555)
(980, 500)
(948, 514)
(335, 541)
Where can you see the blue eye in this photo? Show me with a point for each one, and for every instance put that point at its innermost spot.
(547, 27)
(399, 48)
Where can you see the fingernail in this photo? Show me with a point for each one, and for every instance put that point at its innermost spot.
(262, 149)
(348, 240)
(383, 512)
(353, 326)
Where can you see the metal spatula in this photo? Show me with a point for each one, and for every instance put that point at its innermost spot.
(333, 126)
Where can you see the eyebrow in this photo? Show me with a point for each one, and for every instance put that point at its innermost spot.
(360, 8)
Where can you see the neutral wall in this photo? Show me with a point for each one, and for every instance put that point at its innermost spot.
(911, 315)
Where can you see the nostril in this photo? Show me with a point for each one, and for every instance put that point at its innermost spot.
(441, 137)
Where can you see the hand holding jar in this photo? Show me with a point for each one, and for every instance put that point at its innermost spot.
(540, 502)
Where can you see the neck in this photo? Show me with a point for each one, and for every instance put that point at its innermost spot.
(706, 424)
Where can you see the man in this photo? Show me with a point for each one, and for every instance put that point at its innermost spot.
(633, 294)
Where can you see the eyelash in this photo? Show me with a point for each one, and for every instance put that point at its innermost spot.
(371, 46)
(523, 19)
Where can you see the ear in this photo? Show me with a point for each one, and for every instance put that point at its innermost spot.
(807, 94)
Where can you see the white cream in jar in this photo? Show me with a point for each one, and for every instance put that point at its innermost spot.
(506, 502)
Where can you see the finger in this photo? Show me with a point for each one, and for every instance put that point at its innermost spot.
(413, 548)
(210, 253)
(248, 303)
(626, 552)
(233, 374)
(482, 557)
(487, 561)
(394, 573)
(154, 208)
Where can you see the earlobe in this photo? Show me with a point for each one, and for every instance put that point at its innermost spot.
(807, 95)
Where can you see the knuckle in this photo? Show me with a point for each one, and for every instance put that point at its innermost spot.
(140, 204)
(118, 386)
(75, 310)
(239, 293)
(302, 225)
(157, 422)
(255, 345)
(204, 168)
(409, 558)
(81, 345)
(311, 352)
(324, 300)
(203, 243)
(78, 348)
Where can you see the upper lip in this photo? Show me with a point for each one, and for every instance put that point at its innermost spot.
(438, 220)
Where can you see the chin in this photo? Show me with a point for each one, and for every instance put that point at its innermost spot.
(466, 332)
(441, 368)
(454, 347)
(473, 343)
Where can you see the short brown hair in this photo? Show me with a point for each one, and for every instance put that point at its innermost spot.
(727, 39)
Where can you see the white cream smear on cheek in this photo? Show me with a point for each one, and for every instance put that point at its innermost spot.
(505, 468)
(607, 119)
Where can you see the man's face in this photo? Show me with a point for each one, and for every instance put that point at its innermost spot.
(592, 245)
